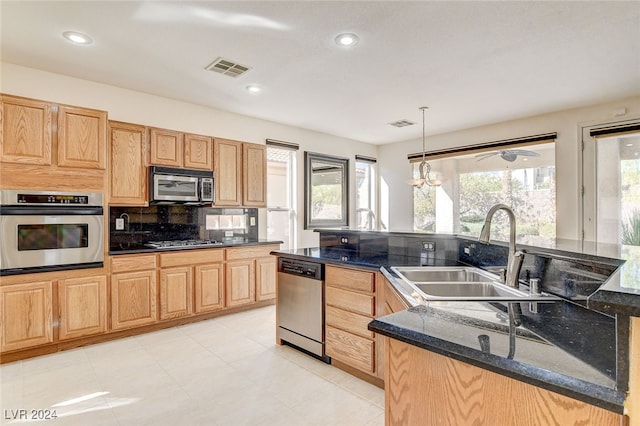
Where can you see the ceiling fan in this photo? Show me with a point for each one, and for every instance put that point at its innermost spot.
(508, 154)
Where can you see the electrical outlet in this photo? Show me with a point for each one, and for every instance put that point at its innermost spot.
(467, 250)
(228, 233)
(429, 246)
(344, 240)
(252, 221)
(120, 224)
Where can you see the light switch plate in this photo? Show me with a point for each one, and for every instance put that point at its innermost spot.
(228, 233)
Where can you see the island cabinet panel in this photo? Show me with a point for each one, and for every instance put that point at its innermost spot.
(209, 287)
(424, 388)
(82, 136)
(82, 306)
(198, 152)
(350, 300)
(26, 318)
(227, 159)
(176, 292)
(133, 299)
(166, 147)
(26, 131)
(127, 175)
(254, 175)
(392, 300)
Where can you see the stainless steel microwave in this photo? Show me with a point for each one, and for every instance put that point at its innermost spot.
(170, 185)
(49, 231)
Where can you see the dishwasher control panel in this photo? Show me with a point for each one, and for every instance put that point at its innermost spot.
(301, 268)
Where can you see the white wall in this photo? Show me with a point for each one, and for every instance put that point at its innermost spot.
(395, 169)
(142, 108)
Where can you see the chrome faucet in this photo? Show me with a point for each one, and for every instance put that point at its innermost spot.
(514, 263)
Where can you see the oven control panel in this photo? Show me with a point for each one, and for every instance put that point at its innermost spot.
(22, 197)
(52, 199)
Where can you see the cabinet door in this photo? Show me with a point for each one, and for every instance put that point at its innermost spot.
(209, 287)
(127, 177)
(133, 299)
(176, 292)
(198, 152)
(227, 165)
(254, 175)
(26, 318)
(26, 131)
(166, 147)
(82, 135)
(240, 282)
(266, 278)
(83, 306)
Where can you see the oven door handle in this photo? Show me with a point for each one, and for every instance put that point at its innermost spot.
(50, 211)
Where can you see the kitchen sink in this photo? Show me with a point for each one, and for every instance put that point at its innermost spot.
(462, 283)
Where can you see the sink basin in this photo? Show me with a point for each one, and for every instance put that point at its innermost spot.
(461, 283)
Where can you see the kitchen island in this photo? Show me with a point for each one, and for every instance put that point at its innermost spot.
(573, 353)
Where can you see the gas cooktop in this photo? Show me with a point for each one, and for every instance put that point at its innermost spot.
(182, 243)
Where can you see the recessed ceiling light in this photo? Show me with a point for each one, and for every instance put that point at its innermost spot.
(77, 38)
(629, 144)
(253, 88)
(347, 39)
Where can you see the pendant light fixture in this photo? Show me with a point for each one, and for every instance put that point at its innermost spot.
(425, 167)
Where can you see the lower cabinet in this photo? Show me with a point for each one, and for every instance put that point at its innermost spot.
(82, 306)
(240, 282)
(133, 299)
(209, 287)
(350, 306)
(26, 316)
(176, 292)
(266, 273)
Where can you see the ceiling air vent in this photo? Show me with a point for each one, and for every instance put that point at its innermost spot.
(227, 67)
(402, 123)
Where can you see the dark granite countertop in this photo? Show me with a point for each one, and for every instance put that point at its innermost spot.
(139, 248)
(452, 329)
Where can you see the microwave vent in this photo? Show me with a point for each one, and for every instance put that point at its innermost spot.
(227, 67)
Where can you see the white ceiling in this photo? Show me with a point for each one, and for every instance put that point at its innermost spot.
(472, 63)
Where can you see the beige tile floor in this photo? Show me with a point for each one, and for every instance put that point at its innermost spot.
(224, 371)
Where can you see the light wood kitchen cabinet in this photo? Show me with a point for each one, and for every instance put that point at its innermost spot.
(26, 318)
(393, 302)
(350, 305)
(227, 160)
(82, 135)
(198, 152)
(266, 273)
(82, 306)
(254, 175)
(426, 388)
(176, 292)
(133, 291)
(191, 281)
(166, 147)
(26, 136)
(209, 287)
(127, 176)
(240, 282)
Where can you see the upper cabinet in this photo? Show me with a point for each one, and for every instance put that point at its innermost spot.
(26, 131)
(254, 179)
(240, 173)
(228, 167)
(127, 175)
(82, 135)
(176, 149)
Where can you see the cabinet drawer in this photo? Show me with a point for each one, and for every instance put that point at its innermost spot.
(132, 263)
(350, 301)
(353, 350)
(350, 278)
(348, 321)
(250, 252)
(191, 257)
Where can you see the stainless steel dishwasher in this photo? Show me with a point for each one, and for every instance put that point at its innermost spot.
(300, 306)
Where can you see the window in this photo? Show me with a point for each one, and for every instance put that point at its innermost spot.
(281, 193)
(611, 177)
(365, 192)
(473, 182)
